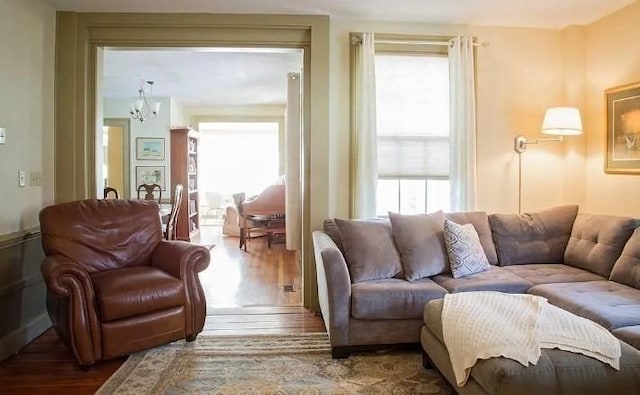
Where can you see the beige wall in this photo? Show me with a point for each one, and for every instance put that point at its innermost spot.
(27, 34)
(519, 75)
(612, 59)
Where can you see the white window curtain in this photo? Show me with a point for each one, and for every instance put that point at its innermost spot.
(365, 151)
(462, 152)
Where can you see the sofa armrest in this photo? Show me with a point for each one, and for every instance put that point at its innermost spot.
(184, 261)
(69, 281)
(334, 288)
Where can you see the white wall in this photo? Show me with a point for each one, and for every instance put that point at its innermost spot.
(27, 43)
(156, 127)
(519, 75)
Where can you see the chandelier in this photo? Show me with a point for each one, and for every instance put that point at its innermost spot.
(141, 109)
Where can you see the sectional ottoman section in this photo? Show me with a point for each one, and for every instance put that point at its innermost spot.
(586, 264)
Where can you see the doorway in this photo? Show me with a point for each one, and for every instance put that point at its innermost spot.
(115, 140)
(234, 86)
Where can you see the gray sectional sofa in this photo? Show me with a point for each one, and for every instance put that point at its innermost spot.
(587, 264)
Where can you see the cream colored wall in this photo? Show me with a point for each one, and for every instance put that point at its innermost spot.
(612, 59)
(156, 127)
(519, 75)
(27, 39)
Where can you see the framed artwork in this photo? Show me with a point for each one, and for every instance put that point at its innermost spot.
(150, 148)
(623, 129)
(150, 175)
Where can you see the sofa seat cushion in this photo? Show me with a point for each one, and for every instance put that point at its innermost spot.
(493, 279)
(629, 334)
(392, 298)
(122, 293)
(546, 273)
(610, 304)
(597, 241)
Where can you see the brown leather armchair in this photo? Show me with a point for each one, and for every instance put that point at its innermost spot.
(114, 285)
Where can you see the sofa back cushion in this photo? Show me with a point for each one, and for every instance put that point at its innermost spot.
(331, 229)
(421, 244)
(626, 270)
(539, 237)
(597, 241)
(480, 222)
(369, 249)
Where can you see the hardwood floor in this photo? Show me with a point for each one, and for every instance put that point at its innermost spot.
(234, 279)
(257, 277)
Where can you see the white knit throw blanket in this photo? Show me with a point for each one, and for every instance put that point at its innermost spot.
(482, 325)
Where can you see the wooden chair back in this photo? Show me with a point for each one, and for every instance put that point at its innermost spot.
(112, 191)
(170, 231)
(149, 190)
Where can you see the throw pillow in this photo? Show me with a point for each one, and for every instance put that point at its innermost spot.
(466, 255)
(420, 242)
(369, 249)
(539, 237)
(480, 221)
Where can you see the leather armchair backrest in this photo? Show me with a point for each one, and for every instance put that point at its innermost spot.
(102, 234)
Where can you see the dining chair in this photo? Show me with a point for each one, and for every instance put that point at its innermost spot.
(149, 190)
(112, 191)
(169, 228)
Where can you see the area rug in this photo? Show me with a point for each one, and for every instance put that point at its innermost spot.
(271, 364)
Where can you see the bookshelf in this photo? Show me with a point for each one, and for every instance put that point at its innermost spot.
(184, 170)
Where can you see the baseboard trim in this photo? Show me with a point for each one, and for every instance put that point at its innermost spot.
(14, 341)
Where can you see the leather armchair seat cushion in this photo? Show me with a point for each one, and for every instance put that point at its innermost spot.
(126, 292)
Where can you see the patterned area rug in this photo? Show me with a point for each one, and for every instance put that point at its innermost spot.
(271, 364)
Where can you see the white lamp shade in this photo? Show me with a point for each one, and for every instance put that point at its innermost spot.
(562, 121)
(156, 107)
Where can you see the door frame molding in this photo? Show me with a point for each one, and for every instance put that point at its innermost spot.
(79, 39)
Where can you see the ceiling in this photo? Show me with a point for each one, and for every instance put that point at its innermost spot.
(203, 77)
(208, 77)
(528, 13)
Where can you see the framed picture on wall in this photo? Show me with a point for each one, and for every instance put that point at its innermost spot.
(149, 148)
(150, 175)
(623, 129)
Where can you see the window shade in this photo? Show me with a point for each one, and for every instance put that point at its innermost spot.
(413, 156)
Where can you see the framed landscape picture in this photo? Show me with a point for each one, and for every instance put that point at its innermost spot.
(148, 148)
(150, 175)
(623, 129)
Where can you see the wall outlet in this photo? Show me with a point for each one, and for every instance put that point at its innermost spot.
(3, 135)
(35, 178)
(22, 178)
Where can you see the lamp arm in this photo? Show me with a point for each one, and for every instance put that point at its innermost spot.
(520, 142)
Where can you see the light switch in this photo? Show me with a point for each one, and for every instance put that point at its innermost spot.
(22, 178)
(2, 135)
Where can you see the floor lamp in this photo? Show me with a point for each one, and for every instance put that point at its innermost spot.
(558, 122)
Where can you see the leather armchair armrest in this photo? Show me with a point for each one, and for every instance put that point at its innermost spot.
(184, 261)
(179, 258)
(68, 280)
(334, 288)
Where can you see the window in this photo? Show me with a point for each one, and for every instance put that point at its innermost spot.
(238, 156)
(412, 109)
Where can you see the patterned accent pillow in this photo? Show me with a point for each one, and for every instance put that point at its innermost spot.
(466, 255)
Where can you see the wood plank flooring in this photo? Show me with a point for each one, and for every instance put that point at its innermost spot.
(234, 279)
